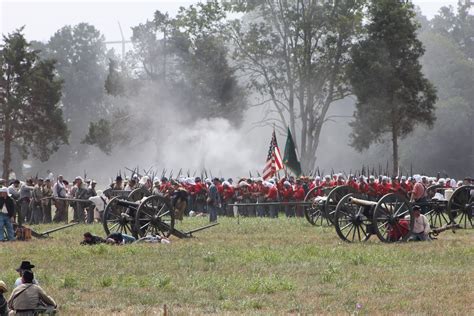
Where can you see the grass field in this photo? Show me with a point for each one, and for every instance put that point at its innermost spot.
(259, 266)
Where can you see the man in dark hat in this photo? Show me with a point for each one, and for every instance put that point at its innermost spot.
(7, 213)
(118, 185)
(25, 265)
(28, 297)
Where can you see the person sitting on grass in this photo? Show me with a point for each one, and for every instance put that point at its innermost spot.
(90, 239)
(119, 239)
(3, 301)
(421, 226)
(27, 298)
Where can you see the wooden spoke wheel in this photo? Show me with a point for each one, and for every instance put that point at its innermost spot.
(353, 222)
(155, 216)
(314, 213)
(438, 214)
(119, 218)
(389, 220)
(138, 194)
(333, 199)
(461, 206)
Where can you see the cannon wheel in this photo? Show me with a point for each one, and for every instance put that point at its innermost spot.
(461, 206)
(117, 218)
(389, 217)
(138, 194)
(333, 199)
(438, 214)
(314, 213)
(350, 221)
(155, 216)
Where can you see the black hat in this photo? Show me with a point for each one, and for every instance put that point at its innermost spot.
(216, 179)
(416, 208)
(118, 178)
(25, 265)
(197, 179)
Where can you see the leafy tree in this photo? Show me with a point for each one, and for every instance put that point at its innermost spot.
(393, 95)
(184, 61)
(295, 55)
(30, 92)
(448, 147)
(81, 57)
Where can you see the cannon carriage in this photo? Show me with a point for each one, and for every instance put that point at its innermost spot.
(356, 218)
(320, 210)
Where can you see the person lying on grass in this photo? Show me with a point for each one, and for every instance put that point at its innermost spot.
(119, 239)
(90, 239)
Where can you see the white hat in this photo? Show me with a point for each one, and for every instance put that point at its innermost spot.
(79, 178)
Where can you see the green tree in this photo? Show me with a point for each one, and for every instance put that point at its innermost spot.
(30, 92)
(393, 96)
(82, 63)
(294, 54)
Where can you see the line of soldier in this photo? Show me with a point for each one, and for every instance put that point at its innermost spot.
(291, 189)
(34, 199)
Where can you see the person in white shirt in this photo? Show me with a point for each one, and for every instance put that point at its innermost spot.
(421, 226)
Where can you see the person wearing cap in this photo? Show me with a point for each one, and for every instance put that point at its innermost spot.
(60, 192)
(421, 226)
(28, 297)
(7, 214)
(213, 200)
(3, 301)
(25, 265)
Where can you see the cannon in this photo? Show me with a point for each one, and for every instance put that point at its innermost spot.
(357, 219)
(152, 215)
(321, 210)
(134, 195)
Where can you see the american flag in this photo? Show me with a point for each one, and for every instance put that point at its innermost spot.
(274, 162)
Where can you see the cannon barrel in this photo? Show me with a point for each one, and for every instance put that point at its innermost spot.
(361, 202)
(126, 203)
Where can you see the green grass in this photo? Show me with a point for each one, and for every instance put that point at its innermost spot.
(259, 266)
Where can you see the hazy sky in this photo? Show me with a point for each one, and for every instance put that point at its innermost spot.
(43, 18)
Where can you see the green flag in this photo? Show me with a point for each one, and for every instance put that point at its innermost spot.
(290, 158)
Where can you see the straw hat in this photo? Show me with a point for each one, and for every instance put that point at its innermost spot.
(3, 287)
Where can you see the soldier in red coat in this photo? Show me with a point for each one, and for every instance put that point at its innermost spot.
(373, 189)
(271, 196)
(351, 182)
(286, 194)
(200, 195)
(228, 194)
(299, 197)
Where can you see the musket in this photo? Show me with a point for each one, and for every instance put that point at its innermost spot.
(85, 175)
(188, 173)
(171, 174)
(250, 174)
(179, 172)
(205, 173)
(134, 172)
(194, 173)
(210, 172)
(163, 173)
(258, 174)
